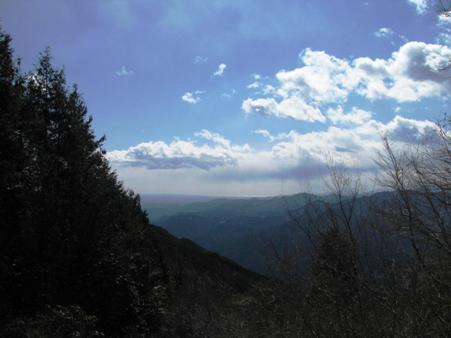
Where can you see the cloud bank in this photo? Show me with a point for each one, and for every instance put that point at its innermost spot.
(412, 73)
(290, 155)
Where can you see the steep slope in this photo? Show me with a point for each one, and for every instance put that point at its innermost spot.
(235, 228)
(189, 263)
(205, 290)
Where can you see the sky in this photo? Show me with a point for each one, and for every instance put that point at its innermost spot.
(244, 97)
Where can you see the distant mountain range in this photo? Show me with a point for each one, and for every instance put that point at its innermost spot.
(237, 228)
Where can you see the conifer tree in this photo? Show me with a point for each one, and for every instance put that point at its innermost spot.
(72, 235)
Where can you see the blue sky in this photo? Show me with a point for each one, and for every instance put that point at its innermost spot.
(243, 97)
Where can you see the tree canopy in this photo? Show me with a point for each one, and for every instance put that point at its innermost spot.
(71, 234)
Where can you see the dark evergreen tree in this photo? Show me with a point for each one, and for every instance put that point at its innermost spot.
(13, 164)
(71, 234)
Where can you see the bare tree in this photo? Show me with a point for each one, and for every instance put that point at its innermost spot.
(421, 180)
(375, 265)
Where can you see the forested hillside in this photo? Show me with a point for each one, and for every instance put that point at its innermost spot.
(235, 228)
(76, 250)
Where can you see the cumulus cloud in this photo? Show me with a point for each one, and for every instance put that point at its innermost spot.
(180, 154)
(192, 97)
(220, 70)
(411, 74)
(293, 107)
(323, 78)
(351, 147)
(291, 155)
(420, 5)
(411, 131)
(355, 116)
(414, 72)
(124, 72)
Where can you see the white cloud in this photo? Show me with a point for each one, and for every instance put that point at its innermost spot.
(420, 5)
(293, 154)
(282, 136)
(414, 72)
(258, 84)
(192, 97)
(322, 79)
(221, 69)
(253, 85)
(264, 133)
(293, 107)
(124, 72)
(355, 116)
(411, 74)
(411, 131)
(211, 163)
(384, 32)
(214, 137)
(181, 153)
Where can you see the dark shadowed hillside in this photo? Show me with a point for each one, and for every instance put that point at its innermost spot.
(235, 228)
